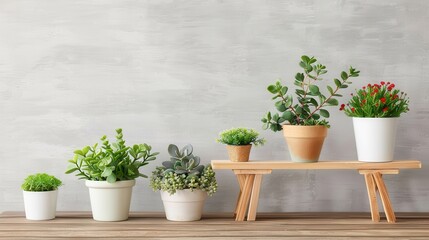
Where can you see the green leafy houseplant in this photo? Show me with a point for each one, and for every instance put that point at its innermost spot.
(309, 107)
(41, 182)
(377, 101)
(183, 171)
(112, 162)
(240, 136)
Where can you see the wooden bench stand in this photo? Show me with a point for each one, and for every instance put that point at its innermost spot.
(249, 177)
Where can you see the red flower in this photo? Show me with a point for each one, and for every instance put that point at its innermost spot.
(389, 89)
(385, 109)
(364, 101)
(353, 109)
(382, 83)
(383, 100)
(392, 85)
(363, 87)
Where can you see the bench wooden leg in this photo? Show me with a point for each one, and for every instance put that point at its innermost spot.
(250, 186)
(240, 178)
(251, 216)
(387, 205)
(374, 181)
(372, 195)
(245, 197)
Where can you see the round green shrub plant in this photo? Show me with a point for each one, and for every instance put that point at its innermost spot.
(41, 182)
(240, 136)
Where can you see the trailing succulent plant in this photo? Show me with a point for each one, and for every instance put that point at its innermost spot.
(183, 171)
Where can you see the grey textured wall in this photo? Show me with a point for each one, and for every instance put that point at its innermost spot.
(181, 71)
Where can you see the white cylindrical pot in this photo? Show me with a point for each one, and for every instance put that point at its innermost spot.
(110, 201)
(40, 205)
(375, 138)
(184, 205)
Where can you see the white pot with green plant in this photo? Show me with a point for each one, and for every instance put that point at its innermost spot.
(375, 110)
(239, 142)
(306, 126)
(184, 184)
(40, 196)
(110, 173)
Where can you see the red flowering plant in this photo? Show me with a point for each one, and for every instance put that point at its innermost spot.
(377, 101)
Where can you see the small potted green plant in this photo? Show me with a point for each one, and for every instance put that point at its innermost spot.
(40, 196)
(110, 172)
(375, 110)
(239, 142)
(305, 114)
(184, 184)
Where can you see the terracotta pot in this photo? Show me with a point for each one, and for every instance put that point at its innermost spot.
(239, 153)
(304, 142)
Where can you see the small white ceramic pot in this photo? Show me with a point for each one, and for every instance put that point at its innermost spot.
(375, 138)
(184, 205)
(40, 205)
(110, 201)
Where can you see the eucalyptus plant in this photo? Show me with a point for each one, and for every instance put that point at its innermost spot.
(309, 106)
(183, 171)
(112, 161)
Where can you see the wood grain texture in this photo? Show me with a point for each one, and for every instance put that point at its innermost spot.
(372, 196)
(254, 198)
(327, 165)
(384, 195)
(216, 226)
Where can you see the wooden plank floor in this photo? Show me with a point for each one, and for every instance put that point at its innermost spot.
(72, 225)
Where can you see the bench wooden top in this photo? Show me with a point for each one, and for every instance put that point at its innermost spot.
(265, 164)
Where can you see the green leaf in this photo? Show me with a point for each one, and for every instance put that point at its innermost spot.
(331, 91)
(305, 58)
(337, 82)
(284, 90)
(280, 106)
(272, 89)
(314, 89)
(333, 102)
(324, 113)
(111, 178)
(71, 170)
(288, 115)
(299, 77)
(344, 75)
(344, 86)
(79, 152)
(265, 126)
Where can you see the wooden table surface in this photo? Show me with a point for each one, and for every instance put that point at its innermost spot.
(72, 225)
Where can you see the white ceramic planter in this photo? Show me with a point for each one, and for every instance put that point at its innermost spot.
(40, 205)
(110, 201)
(184, 205)
(375, 138)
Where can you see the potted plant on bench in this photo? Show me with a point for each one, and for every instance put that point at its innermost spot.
(239, 142)
(110, 173)
(184, 184)
(40, 196)
(375, 110)
(306, 126)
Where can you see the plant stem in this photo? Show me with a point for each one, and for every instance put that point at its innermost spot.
(326, 100)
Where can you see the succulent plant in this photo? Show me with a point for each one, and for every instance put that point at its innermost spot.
(182, 161)
(183, 171)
